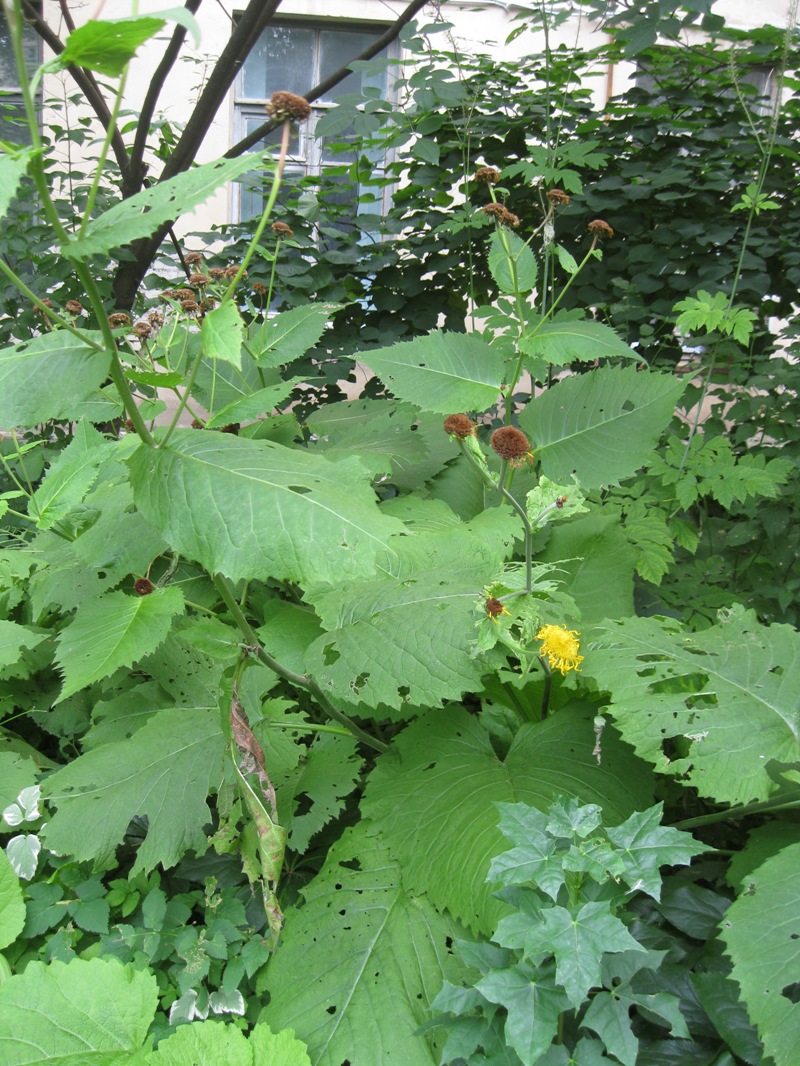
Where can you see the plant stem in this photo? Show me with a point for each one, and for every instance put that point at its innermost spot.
(225, 590)
(548, 681)
(763, 807)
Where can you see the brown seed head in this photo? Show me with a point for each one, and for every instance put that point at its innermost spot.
(143, 585)
(193, 257)
(459, 426)
(601, 228)
(280, 229)
(232, 427)
(156, 318)
(501, 215)
(282, 106)
(197, 425)
(557, 196)
(199, 279)
(231, 271)
(39, 311)
(510, 443)
(260, 288)
(183, 294)
(489, 175)
(142, 330)
(190, 306)
(494, 607)
(215, 273)
(208, 304)
(119, 319)
(74, 307)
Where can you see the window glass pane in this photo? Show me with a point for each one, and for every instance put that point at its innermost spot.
(281, 60)
(338, 47)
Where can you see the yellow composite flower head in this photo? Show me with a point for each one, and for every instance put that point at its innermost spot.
(560, 646)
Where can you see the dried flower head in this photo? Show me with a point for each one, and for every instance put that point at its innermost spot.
(459, 426)
(231, 271)
(557, 196)
(282, 106)
(280, 229)
(494, 608)
(143, 585)
(197, 425)
(561, 647)
(511, 443)
(183, 294)
(600, 228)
(208, 304)
(199, 279)
(190, 306)
(74, 307)
(215, 273)
(142, 330)
(501, 215)
(232, 427)
(156, 318)
(193, 257)
(167, 294)
(260, 288)
(489, 175)
(119, 319)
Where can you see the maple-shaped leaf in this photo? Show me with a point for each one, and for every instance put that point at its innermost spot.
(255, 509)
(645, 845)
(377, 953)
(534, 859)
(578, 942)
(164, 772)
(115, 630)
(533, 1003)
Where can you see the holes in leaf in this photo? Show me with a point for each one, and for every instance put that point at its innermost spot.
(403, 692)
(777, 670)
(304, 804)
(350, 864)
(792, 992)
(629, 406)
(301, 490)
(331, 1009)
(359, 682)
(330, 654)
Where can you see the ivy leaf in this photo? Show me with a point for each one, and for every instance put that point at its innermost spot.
(762, 934)
(222, 332)
(441, 372)
(563, 341)
(87, 1011)
(533, 1005)
(668, 684)
(165, 772)
(114, 631)
(267, 511)
(645, 845)
(286, 336)
(142, 214)
(578, 942)
(514, 270)
(378, 951)
(12, 905)
(440, 784)
(602, 426)
(44, 378)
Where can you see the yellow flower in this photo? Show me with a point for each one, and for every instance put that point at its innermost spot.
(560, 646)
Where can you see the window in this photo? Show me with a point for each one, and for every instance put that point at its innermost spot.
(294, 57)
(12, 115)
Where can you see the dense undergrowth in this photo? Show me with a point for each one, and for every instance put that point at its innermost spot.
(453, 722)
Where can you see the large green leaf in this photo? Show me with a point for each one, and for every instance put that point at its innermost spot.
(288, 335)
(255, 509)
(250, 407)
(214, 1042)
(376, 952)
(69, 477)
(762, 934)
(107, 46)
(12, 905)
(407, 635)
(514, 270)
(435, 794)
(93, 1012)
(12, 171)
(165, 771)
(561, 342)
(142, 214)
(113, 631)
(44, 378)
(442, 372)
(222, 332)
(601, 426)
(711, 708)
(13, 638)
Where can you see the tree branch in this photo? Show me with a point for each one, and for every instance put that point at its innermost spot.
(135, 178)
(333, 79)
(85, 81)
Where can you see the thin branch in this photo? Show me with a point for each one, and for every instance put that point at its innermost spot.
(85, 81)
(136, 176)
(319, 90)
(66, 14)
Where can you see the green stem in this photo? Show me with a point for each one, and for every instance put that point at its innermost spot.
(106, 148)
(226, 592)
(184, 397)
(548, 681)
(763, 807)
